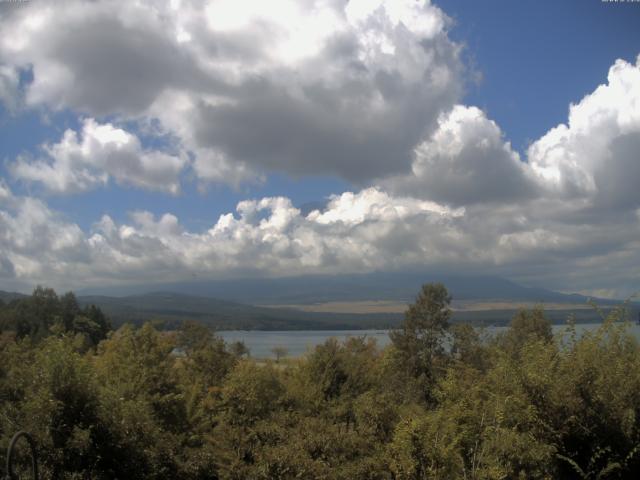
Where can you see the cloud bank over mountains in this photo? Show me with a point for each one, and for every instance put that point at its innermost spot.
(370, 92)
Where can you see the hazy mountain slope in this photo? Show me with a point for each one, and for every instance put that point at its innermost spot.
(375, 286)
(173, 308)
(6, 297)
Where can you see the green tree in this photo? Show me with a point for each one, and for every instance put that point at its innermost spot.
(141, 398)
(69, 309)
(526, 326)
(250, 395)
(326, 370)
(33, 316)
(54, 396)
(44, 313)
(239, 349)
(467, 346)
(279, 352)
(426, 448)
(418, 342)
(94, 324)
(207, 359)
(193, 336)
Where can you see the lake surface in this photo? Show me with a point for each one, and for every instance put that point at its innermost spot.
(299, 342)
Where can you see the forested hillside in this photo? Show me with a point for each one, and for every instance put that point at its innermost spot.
(140, 403)
(167, 311)
(171, 309)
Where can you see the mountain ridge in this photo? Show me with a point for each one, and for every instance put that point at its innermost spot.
(374, 286)
(261, 304)
(170, 309)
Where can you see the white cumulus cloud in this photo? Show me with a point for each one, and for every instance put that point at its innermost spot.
(465, 161)
(249, 87)
(595, 155)
(368, 91)
(268, 236)
(80, 162)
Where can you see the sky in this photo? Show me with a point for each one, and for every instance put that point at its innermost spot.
(155, 141)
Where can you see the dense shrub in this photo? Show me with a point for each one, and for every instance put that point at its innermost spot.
(439, 402)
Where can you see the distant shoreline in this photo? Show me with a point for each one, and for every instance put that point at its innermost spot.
(391, 306)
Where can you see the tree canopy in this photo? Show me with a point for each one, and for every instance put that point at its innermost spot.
(441, 402)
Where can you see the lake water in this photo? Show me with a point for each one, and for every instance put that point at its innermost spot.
(298, 342)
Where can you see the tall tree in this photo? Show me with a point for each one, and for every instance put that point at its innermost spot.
(418, 342)
(526, 326)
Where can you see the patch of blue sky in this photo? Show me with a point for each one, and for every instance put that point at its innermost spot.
(25, 132)
(534, 58)
(197, 210)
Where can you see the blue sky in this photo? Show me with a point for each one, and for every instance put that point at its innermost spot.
(514, 51)
(537, 57)
(396, 113)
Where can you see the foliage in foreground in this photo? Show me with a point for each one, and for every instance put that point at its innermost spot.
(441, 402)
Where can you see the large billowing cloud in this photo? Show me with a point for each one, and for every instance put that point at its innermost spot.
(98, 57)
(591, 163)
(81, 162)
(596, 155)
(35, 240)
(368, 91)
(303, 87)
(466, 161)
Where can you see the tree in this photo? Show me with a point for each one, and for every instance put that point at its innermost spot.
(418, 343)
(193, 336)
(60, 409)
(239, 349)
(279, 352)
(207, 360)
(33, 316)
(426, 448)
(250, 393)
(526, 326)
(532, 323)
(326, 369)
(69, 308)
(141, 399)
(468, 347)
(99, 324)
(44, 313)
